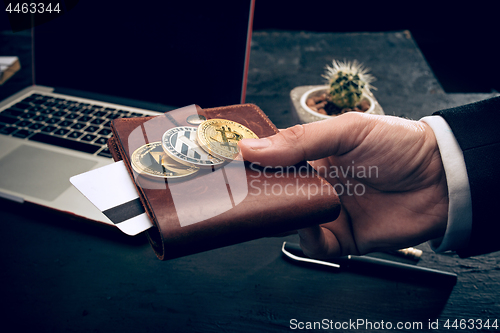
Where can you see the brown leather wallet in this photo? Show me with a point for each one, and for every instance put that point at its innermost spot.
(223, 206)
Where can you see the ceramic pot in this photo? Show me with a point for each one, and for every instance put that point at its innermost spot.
(317, 91)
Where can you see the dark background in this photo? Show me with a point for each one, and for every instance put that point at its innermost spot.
(458, 40)
(156, 51)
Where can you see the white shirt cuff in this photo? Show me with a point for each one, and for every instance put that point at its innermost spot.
(460, 206)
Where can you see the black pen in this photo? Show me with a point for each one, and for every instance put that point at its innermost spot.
(375, 266)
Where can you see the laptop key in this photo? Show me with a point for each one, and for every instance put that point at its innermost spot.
(100, 113)
(88, 137)
(59, 114)
(66, 123)
(12, 112)
(104, 131)
(97, 121)
(22, 106)
(72, 116)
(7, 120)
(7, 130)
(27, 99)
(78, 126)
(91, 129)
(113, 116)
(46, 111)
(27, 115)
(75, 135)
(75, 108)
(85, 119)
(40, 118)
(23, 123)
(101, 141)
(105, 152)
(52, 121)
(61, 142)
(87, 111)
(37, 109)
(48, 129)
(61, 131)
(22, 133)
(36, 126)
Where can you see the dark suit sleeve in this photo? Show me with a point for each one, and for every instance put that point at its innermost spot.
(477, 129)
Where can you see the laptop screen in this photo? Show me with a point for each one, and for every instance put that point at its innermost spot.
(171, 52)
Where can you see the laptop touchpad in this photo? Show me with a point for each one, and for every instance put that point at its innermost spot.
(40, 173)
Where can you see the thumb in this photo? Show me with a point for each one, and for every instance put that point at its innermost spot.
(334, 136)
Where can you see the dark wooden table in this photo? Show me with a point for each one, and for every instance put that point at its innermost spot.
(59, 274)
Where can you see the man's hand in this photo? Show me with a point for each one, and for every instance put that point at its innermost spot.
(404, 200)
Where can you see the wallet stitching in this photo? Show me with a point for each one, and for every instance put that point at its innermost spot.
(146, 203)
(142, 196)
(115, 149)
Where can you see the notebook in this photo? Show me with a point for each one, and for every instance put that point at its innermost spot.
(102, 61)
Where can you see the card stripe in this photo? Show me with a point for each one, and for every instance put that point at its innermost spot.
(125, 211)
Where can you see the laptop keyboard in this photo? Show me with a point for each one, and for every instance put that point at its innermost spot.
(62, 122)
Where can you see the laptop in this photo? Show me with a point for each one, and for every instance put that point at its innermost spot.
(101, 61)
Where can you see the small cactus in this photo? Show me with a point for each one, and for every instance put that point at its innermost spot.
(347, 80)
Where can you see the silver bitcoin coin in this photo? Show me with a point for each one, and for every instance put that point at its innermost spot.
(151, 161)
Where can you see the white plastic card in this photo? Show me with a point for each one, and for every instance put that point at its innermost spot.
(111, 190)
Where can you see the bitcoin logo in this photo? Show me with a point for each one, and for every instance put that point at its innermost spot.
(220, 137)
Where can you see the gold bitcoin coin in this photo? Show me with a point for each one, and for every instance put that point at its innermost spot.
(151, 161)
(220, 137)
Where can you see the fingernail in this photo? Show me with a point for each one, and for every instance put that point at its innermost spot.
(255, 144)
